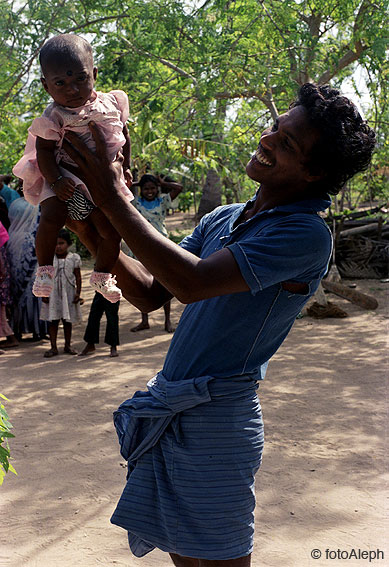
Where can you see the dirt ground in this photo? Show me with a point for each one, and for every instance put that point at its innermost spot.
(322, 483)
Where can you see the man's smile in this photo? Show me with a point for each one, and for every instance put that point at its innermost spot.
(261, 158)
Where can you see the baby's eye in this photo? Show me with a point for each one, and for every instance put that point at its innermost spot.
(81, 79)
(58, 83)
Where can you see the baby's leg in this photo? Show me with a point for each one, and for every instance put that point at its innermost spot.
(107, 253)
(109, 246)
(53, 217)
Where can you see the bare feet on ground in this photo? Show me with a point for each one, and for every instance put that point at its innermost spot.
(140, 327)
(88, 349)
(50, 353)
(113, 352)
(69, 350)
(9, 342)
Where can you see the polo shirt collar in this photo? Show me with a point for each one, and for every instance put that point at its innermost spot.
(313, 205)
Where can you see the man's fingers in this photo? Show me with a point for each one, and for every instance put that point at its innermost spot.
(101, 150)
(75, 148)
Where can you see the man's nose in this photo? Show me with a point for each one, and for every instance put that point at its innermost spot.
(268, 138)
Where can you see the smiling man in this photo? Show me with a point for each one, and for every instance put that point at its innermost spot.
(194, 440)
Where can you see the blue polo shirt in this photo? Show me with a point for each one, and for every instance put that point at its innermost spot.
(238, 333)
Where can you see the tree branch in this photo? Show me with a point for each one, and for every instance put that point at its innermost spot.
(175, 68)
(343, 62)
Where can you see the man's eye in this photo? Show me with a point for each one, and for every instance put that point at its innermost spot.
(287, 144)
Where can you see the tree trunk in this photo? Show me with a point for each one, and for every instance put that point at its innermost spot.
(212, 194)
(212, 190)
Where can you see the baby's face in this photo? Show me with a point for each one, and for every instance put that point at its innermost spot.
(70, 82)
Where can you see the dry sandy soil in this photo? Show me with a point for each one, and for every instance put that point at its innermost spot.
(322, 483)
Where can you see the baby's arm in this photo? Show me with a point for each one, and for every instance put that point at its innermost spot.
(127, 157)
(63, 187)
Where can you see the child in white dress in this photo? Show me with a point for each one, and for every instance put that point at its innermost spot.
(49, 175)
(64, 301)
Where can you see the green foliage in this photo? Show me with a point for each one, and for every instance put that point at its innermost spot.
(178, 235)
(202, 81)
(5, 434)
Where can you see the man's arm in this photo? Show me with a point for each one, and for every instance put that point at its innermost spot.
(183, 274)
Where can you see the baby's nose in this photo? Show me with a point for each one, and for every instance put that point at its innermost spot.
(72, 88)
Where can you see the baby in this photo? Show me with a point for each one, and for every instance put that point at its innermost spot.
(49, 175)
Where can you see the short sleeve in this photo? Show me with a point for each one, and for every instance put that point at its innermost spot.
(77, 261)
(45, 128)
(296, 249)
(122, 100)
(194, 242)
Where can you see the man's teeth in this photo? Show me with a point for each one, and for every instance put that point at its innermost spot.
(261, 158)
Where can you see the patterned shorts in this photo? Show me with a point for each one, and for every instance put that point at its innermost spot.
(79, 207)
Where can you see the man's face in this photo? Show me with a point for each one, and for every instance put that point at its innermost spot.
(70, 82)
(280, 161)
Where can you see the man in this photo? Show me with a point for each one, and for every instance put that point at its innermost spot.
(194, 441)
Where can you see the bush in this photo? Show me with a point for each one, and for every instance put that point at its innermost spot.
(5, 434)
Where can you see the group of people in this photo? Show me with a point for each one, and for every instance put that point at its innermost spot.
(20, 309)
(22, 312)
(194, 440)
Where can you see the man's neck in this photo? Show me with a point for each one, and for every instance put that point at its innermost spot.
(269, 200)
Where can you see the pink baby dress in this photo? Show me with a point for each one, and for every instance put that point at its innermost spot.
(110, 112)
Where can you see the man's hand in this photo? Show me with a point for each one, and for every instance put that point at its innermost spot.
(100, 175)
(128, 176)
(64, 188)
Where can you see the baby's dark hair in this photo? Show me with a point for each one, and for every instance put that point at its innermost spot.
(65, 235)
(65, 45)
(346, 142)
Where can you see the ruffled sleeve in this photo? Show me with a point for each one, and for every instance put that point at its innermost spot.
(45, 128)
(122, 100)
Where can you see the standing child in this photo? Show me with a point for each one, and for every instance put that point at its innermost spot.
(154, 207)
(69, 76)
(99, 306)
(64, 301)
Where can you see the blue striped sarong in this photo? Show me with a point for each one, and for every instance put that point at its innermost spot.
(193, 448)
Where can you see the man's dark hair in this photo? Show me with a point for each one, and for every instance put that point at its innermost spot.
(346, 141)
(65, 235)
(64, 45)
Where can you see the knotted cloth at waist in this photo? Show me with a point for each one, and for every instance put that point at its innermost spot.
(162, 404)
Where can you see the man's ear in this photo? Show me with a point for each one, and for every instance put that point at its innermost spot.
(313, 174)
(94, 73)
(311, 178)
(43, 81)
